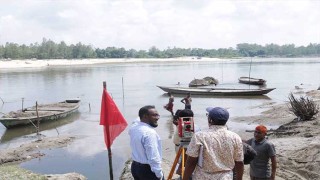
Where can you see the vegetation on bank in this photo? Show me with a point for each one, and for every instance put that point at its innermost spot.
(49, 49)
(15, 172)
(304, 108)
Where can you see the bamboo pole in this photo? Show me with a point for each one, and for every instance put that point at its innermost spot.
(22, 104)
(122, 93)
(38, 121)
(250, 72)
(222, 70)
(122, 89)
(108, 140)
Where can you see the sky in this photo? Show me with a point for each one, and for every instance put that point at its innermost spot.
(141, 24)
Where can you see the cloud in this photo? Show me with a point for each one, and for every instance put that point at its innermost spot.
(140, 24)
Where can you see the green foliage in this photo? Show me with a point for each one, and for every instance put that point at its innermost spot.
(1, 52)
(273, 50)
(48, 49)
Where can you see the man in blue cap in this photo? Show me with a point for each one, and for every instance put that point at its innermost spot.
(216, 150)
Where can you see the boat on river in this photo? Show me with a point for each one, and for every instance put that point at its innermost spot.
(252, 81)
(29, 130)
(41, 113)
(213, 91)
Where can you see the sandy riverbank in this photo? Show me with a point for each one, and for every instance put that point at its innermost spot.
(297, 144)
(10, 64)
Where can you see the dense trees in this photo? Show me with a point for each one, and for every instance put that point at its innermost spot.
(51, 50)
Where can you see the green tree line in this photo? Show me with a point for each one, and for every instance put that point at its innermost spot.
(51, 50)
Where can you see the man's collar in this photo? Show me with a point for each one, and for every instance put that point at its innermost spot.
(217, 126)
(260, 142)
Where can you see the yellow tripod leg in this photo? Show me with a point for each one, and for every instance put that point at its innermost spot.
(175, 163)
(182, 167)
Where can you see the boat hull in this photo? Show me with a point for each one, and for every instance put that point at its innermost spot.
(49, 112)
(217, 91)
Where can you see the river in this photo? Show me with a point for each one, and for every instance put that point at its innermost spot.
(133, 85)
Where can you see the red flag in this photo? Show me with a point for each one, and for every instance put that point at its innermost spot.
(111, 118)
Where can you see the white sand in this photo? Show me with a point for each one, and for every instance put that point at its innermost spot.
(10, 64)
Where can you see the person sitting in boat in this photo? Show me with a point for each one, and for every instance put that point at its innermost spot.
(169, 106)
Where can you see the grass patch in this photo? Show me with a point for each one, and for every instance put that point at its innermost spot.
(14, 172)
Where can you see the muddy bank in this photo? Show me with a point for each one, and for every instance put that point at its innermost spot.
(10, 158)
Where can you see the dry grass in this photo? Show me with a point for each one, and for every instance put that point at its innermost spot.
(14, 172)
(304, 108)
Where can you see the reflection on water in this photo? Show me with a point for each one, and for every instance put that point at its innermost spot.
(10, 134)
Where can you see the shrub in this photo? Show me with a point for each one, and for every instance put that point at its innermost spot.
(304, 108)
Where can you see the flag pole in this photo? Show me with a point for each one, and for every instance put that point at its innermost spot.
(108, 141)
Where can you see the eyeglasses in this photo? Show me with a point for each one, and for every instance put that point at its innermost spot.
(258, 132)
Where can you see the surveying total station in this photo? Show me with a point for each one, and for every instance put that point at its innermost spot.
(185, 128)
(185, 131)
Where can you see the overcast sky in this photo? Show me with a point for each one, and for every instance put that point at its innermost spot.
(140, 24)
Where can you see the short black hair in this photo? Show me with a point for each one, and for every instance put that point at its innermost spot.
(176, 115)
(145, 110)
(183, 113)
(186, 113)
(219, 123)
(216, 122)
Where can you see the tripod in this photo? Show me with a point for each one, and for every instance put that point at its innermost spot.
(181, 152)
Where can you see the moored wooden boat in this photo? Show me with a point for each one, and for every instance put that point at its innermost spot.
(29, 130)
(216, 91)
(46, 112)
(253, 81)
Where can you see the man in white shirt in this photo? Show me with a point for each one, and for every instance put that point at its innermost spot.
(146, 146)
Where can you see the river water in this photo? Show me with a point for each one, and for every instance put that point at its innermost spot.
(133, 85)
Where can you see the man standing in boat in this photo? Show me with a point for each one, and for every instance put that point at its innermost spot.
(187, 101)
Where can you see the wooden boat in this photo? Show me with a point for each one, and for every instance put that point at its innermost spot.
(217, 91)
(29, 130)
(253, 81)
(46, 112)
